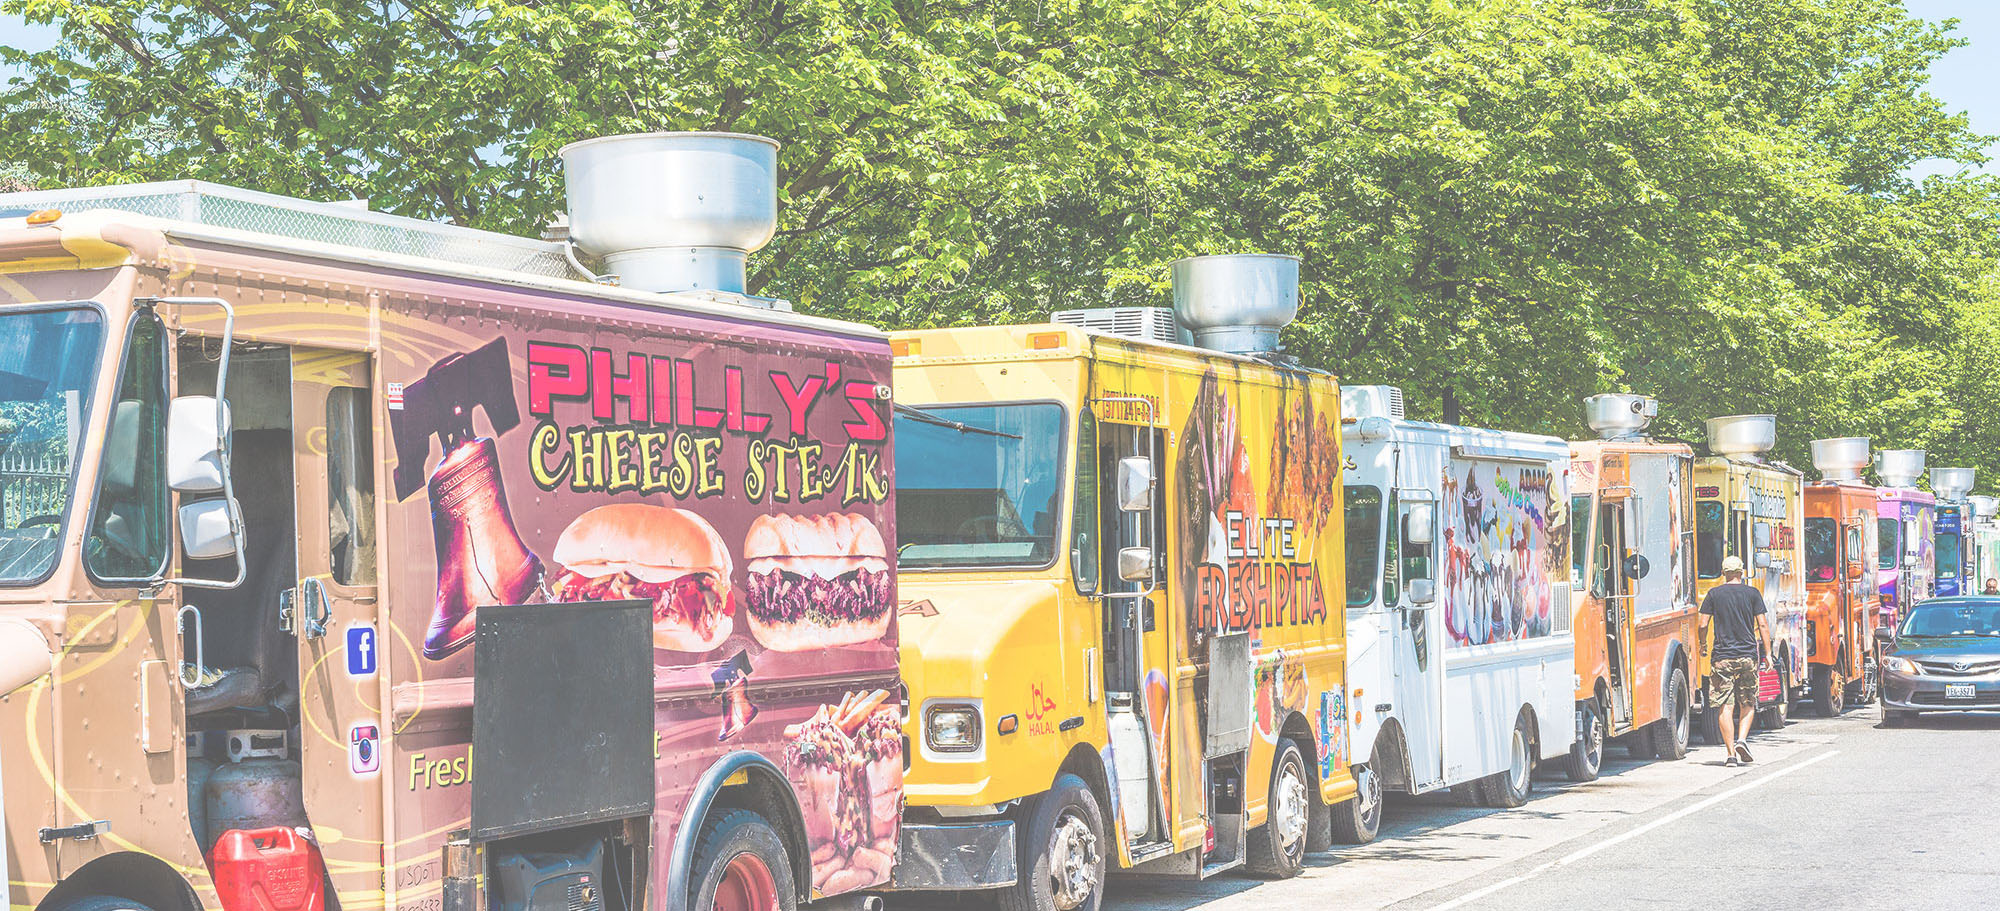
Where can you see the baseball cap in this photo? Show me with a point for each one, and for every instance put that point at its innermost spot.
(1732, 564)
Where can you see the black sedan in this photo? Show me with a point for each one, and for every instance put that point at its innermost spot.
(1944, 657)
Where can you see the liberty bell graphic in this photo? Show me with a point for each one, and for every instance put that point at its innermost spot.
(480, 556)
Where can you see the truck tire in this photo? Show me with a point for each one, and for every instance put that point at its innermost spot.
(740, 862)
(1319, 827)
(1277, 849)
(1829, 698)
(99, 903)
(1670, 734)
(1510, 787)
(1358, 821)
(1061, 852)
(1586, 756)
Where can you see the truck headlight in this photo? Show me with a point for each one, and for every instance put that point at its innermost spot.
(1900, 665)
(952, 728)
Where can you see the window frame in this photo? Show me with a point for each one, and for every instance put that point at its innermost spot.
(1382, 504)
(74, 483)
(362, 475)
(166, 490)
(1058, 553)
(1084, 506)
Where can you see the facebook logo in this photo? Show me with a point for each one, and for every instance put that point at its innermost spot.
(360, 651)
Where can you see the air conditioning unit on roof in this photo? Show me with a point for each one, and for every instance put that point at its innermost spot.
(1154, 324)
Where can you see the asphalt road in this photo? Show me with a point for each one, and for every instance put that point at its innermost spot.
(1834, 814)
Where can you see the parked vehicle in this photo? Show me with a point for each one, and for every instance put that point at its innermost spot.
(1953, 549)
(1905, 522)
(1945, 656)
(1118, 563)
(1632, 557)
(1984, 542)
(1460, 662)
(1841, 599)
(1751, 508)
(365, 432)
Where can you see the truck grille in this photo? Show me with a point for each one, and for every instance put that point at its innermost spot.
(1972, 668)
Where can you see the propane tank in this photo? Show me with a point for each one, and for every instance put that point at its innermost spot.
(256, 794)
(199, 772)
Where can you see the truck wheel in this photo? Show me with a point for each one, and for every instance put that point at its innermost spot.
(740, 865)
(1319, 827)
(100, 903)
(1357, 821)
(1586, 755)
(1509, 788)
(1061, 860)
(1829, 697)
(1277, 849)
(1670, 734)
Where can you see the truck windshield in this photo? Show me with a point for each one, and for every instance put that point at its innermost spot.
(1822, 549)
(1948, 557)
(1710, 540)
(48, 362)
(1364, 543)
(1892, 545)
(979, 485)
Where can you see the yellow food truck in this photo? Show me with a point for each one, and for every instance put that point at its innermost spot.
(1751, 508)
(1120, 562)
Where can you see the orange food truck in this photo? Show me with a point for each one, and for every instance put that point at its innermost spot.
(1841, 601)
(1751, 508)
(286, 484)
(1633, 552)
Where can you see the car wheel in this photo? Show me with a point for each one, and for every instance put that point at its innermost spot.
(1670, 734)
(740, 865)
(1277, 849)
(1061, 852)
(1829, 697)
(1586, 756)
(1358, 821)
(98, 903)
(1511, 786)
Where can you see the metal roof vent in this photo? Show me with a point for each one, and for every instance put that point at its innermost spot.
(1619, 415)
(1371, 402)
(1986, 507)
(1743, 434)
(1951, 483)
(1154, 324)
(1236, 303)
(673, 211)
(1899, 467)
(1840, 458)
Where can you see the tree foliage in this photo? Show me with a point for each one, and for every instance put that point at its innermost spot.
(1502, 205)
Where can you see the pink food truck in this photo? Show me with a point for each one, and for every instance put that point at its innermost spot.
(305, 508)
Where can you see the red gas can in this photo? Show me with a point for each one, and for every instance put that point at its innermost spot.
(268, 870)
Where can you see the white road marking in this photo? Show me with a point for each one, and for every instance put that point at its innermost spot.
(1582, 853)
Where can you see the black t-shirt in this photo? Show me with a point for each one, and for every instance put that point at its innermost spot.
(1735, 607)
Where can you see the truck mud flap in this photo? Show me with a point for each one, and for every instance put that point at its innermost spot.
(956, 856)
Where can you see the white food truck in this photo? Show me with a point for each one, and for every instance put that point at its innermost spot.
(1461, 662)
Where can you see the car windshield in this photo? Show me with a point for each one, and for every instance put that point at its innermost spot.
(1364, 543)
(1822, 550)
(978, 485)
(48, 361)
(1951, 618)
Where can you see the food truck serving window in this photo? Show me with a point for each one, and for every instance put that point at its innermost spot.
(1710, 526)
(979, 485)
(128, 525)
(1364, 543)
(48, 361)
(1822, 550)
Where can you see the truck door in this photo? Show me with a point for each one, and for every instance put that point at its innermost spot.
(1614, 589)
(1418, 631)
(1137, 692)
(335, 612)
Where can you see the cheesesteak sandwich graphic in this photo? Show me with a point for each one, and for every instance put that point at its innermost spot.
(668, 556)
(816, 582)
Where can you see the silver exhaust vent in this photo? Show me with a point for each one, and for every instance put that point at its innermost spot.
(1840, 458)
(1371, 402)
(1743, 434)
(1899, 467)
(1986, 507)
(1951, 483)
(673, 211)
(1619, 415)
(1236, 303)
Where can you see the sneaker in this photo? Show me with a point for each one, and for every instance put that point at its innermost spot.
(1731, 762)
(1743, 753)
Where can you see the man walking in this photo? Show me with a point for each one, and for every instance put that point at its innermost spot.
(1737, 649)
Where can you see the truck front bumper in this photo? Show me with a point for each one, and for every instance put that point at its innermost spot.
(956, 856)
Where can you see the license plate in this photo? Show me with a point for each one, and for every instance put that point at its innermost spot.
(1958, 691)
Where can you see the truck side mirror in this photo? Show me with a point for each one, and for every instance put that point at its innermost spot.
(1135, 564)
(1423, 591)
(1135, 487)
(208, 529)
(195, 427)
(1419, 524)
(1763, 561)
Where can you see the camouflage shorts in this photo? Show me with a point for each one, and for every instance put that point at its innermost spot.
(1733, 678)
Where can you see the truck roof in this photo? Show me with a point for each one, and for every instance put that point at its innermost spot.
(1474, 441)
(289, 228)
(1062, 341)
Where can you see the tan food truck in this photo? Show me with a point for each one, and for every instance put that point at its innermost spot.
(1121, 569)
(270, 619)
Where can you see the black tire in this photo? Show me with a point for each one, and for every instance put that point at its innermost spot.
(1277, 849)
(1829, 699)
(1670, 734)
(1586, 756)
(1358, 821)
(735, 834)
(1510, 787)
(1319, 828)
(98, 903)
(1069, 804)
(1638, 744)
(1705, 727)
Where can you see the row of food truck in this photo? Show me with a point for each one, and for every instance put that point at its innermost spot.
(303, 507)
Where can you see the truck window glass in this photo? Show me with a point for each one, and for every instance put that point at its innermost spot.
(1083, 537)
(979, 485)
(1579, 540)
(128, 527)
(1709, 540)
(350, 480)
(1891, 542)
(48, 360)
(1392, 584)
(1822, 552)
(1948, 557)
(1416, 559)
(1364, 543)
